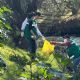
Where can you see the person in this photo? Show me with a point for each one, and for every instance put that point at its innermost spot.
(31, 32)
(73, 51)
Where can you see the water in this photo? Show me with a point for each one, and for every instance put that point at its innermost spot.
(76, 40)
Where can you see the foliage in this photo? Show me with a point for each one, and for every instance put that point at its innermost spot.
(18, 60)
(5, 14)
(46, 67)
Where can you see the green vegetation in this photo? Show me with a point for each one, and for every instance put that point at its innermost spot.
(5, 28)
(18, 65)
(60, 17)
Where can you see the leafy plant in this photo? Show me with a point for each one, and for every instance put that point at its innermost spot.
(5, 14)
(18, 60)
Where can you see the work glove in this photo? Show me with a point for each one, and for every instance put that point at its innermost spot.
(33, 37)
(43, 38)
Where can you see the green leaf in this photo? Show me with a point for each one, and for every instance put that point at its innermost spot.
(26, 75)
(50, 75)
(1, 22)
(1, 13)
(41, 71)
(1, 10)
(58, 55)
(1, 45)
(65, 62)
(6, 9)
(7, 25)
(45, 73)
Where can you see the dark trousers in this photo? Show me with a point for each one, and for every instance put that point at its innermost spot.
(75, 67)
(32, 46)
(75, 63)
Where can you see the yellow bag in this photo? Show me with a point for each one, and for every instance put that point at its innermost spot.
(47, 47)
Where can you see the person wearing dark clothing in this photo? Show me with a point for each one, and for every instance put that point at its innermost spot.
(73, 51)
(31, 32)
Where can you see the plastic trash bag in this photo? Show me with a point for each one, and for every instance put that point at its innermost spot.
(47, 47)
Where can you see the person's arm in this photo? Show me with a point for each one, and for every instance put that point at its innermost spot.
(37, 29)
(57, 43)
(38, 33)
(23, 26)
(65, 43)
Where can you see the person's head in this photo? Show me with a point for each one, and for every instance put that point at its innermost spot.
(34, 15)
(67, 39)
(66, 36)
(37, 15)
